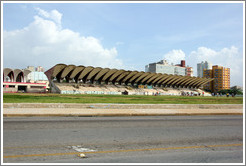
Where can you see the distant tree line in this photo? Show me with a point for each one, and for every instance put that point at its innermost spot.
(234, 90)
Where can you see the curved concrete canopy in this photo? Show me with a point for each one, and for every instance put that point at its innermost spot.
(76, 71)
(135, 77)
(109, 74)
(116, 74)
(129, 76)
(200, 83)
(94, 72)
(205, 82)
(101, 73)
(121, 76)
(139, 80)
(160, 78)
(196, 81)
(148, 77)
(165, 79)
(187, 80)
(172, 81)
(67, 70)
(85, 72)
(26, 72)
(6, 71)
(153, 78)
(18, 75)
(176, 83)
(57, 69)
(169, 79)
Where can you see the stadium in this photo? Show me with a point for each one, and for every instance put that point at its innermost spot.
(71, 79)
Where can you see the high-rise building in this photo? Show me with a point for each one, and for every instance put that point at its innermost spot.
(203, 66)
(164, 68)
(40, 69)
(221, 77)
(208, 73)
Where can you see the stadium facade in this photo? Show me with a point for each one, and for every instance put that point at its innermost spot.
(15, 80)
(62, 74)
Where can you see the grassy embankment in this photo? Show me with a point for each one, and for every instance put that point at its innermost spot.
(131, 99)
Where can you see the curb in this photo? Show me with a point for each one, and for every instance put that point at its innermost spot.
(122, 106)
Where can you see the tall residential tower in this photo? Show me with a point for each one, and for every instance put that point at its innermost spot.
(221, 77)
(203, 66)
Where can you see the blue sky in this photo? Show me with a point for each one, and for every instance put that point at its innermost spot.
(124, 35)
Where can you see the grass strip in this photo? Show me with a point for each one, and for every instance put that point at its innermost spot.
(117, 99)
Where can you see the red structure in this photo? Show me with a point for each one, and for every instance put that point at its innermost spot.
(182, 63)
(14, 81)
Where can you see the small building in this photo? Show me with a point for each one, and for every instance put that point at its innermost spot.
(14, 87)
(189, 71)
(16, 80)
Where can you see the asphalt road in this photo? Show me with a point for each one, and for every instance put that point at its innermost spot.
(157, 139)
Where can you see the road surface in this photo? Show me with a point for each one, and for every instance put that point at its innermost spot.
(155, 139)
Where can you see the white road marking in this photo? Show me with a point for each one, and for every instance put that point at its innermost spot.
(79, 148)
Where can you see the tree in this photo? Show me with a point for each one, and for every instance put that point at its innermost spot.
(236, 91)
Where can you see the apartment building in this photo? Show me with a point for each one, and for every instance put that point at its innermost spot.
(221, 77)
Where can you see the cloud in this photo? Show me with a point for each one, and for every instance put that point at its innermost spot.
(175, 56)
(53, 15)
(44, 42)
(203, 54)
(226, 57)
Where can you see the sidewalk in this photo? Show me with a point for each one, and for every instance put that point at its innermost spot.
(10, 110)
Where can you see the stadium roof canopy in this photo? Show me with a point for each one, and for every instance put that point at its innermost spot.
(100, 75)
(15, 75)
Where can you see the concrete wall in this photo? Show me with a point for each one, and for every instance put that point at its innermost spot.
(12, 87)
(123, 106)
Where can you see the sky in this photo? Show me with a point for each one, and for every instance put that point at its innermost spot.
(124, 35)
